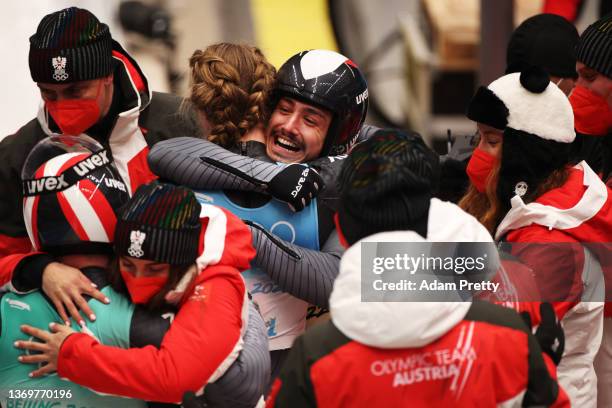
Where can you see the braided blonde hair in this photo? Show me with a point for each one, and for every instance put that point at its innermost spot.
(230, 84)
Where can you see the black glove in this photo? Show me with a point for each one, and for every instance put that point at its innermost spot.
(296, 185)
(550, 334)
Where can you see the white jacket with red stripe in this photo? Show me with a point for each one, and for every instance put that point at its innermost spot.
(570, 229)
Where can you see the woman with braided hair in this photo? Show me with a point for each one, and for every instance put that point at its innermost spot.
(230, 85)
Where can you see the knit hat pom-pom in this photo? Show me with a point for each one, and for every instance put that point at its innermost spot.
(534, 79)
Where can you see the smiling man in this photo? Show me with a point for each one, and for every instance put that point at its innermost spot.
(296, 131)
(322, 102)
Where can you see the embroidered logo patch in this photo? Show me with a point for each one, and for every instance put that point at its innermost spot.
(520, 188)
(136, 239)
(59, 65)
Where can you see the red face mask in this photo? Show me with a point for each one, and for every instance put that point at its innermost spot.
(75, 116)
(143, 289)
(479, 167)
(592, 114)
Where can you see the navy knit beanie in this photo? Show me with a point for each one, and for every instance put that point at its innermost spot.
(70, 45)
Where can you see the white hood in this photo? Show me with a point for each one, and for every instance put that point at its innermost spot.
(402, 324)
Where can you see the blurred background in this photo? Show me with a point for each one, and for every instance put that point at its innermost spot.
(423, 59)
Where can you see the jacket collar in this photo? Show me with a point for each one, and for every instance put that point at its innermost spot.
(588, 205)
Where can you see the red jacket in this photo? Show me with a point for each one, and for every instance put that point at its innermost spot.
(463, 368)
(203, 340)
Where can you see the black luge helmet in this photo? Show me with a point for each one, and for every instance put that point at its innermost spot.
(334, 82)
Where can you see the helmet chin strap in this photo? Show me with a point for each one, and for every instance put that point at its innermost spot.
(330, 138)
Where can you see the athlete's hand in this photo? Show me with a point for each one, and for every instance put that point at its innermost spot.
(296, 185)
(46, 350)
(65, 286)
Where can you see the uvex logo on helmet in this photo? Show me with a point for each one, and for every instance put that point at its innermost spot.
(94, 161)
(42, 184)
(361, 97)
(63, 210)
(52, 183)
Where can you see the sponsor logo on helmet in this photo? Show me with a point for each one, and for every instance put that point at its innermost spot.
(112, 183)
(93, 162)
(108, 182)
(46, 184)
(136, 239)
(361, 97)
(341, 150)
